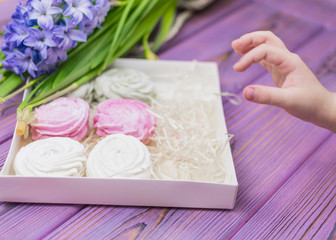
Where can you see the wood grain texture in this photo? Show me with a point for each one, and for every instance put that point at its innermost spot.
(321, 11)
(8, 117)
(21, 221)
(205, 18)
(220, 34)
(4, 146)
(275, 154)
(305, 206)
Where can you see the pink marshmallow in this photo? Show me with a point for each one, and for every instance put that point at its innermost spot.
(63, 117)
(125, 116)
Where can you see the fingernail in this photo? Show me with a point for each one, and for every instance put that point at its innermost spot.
(236, 66)
(235, 42)
(249, 93)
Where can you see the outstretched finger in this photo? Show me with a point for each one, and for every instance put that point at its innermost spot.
(284, 60)
(249, 41)
(266, 95)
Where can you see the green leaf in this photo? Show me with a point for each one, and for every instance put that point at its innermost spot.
(148, 23)
(9, 83)
(2, 72)
(119, 29)
(139, 15)
(165, 26)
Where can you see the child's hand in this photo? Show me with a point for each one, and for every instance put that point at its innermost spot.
(298, 91)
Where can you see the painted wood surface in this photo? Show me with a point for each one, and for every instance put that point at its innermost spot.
(303, 207)
(322, 11)
(285, 167)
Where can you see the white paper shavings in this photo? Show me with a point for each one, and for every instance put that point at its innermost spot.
(186, 146)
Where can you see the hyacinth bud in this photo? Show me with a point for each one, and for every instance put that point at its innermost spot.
(42, 31)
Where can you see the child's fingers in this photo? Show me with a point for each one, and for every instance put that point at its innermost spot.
(267, 53)
(266, 95)
(251, 40)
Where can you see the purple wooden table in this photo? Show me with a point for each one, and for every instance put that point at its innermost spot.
(286, 168)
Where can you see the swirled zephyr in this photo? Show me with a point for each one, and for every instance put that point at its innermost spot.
(84, 92)
(124, 83)
(63, 117)
(130, 117)
(58, 156)
(119, 156)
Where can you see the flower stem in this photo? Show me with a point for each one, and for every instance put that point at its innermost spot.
(117, 3)
(64, 91)
(54, 96)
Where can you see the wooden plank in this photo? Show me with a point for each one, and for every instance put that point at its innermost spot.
(22, 220)
(267, 142)
(322, 11)
(305, 206)
(123, 223)
(211, 40)
(108, 222)
(7, 127)
(8, 117)
(205, 19)
(4, 147)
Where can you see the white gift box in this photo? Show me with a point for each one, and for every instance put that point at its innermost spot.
(132, 192)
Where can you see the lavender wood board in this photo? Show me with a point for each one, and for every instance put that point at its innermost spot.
(253, 126)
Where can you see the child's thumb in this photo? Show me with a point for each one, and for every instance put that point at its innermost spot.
(265, 95)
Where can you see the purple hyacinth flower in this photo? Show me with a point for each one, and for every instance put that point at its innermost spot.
(88, 25)
(16, 32)
(76, 9)
(42, 11)
(55, 55)
(8, 62)
(45, 68)
(40, 40)
(39, 35)
(69, 35)
(21, 13)
(7, 47)
(99, 10)
(7, 65)
(24, 62)
(102, 7)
